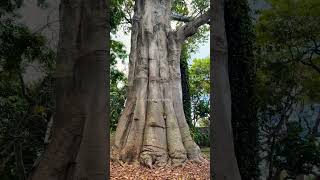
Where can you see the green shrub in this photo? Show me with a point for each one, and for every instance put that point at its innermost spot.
(202, 139)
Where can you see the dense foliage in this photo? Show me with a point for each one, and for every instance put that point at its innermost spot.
(199, 90)
(119, 17)
(297, 152)
(25, 108)
(287, 84)
(117, 83)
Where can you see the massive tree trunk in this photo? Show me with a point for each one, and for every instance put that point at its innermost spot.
(224, 164)
(78, 148)
(152, 129)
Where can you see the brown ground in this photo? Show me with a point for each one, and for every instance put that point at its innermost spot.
(190, 171)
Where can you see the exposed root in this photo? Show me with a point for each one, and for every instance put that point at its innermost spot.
(146, 160)
(178, 159)
(197, 161)
(114, 155)
(153, 156)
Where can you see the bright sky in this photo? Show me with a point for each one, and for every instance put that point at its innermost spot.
(203, 51)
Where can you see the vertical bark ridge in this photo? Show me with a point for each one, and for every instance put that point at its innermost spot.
(131, 146)
(177, 150)
(154, 144)
(193, 150)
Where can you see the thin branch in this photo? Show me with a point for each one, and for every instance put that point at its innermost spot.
(6, 149)
(316, 126)
(305, 61)
(23, 87)
(179, 17)
(191, 28)
(19, 161)
(311, 64)
(48, 131)
(47, 25)
(4, 162)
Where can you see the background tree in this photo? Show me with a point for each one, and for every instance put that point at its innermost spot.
(297, 153)
(290, 27)
(200, 89)
(224, 164)
(287, 82)
(117, 83)
(78, 139)
(34, 129)
(25, 109)
(242, 66)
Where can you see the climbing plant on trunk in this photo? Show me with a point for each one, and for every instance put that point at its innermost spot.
(152, 129)
(239, 30)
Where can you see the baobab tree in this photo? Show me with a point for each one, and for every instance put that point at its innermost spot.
(152, 129)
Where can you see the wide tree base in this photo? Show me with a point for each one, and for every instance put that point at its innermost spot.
(160, 162)
(169, 163)
(157, 160)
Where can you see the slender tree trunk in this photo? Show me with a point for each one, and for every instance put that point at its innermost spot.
(78, 148)
(153, 130)
(270, 159)
(315, 128)
(48, 131)
(19, 161)
(224, 164)
(242, 77)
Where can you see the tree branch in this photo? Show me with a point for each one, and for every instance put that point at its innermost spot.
(316, 126)
(311, 64)
(48, 131)
(4, 162)
(19, 161)
(179, 17)
(191, 28)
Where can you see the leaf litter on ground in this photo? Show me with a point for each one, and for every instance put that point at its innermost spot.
(190, 171)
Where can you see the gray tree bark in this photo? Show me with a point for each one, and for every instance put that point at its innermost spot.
(152, 129)
(78, 148)
(224, 164)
